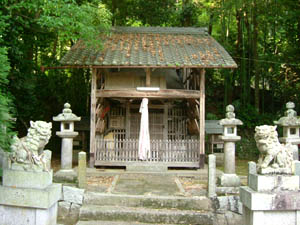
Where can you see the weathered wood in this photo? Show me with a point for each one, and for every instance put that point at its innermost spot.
(132, 93)
(202, 117)
(127, 163)
(127, 119)
(93, 117)
(148, 77)
(165, 121)
(161, 150)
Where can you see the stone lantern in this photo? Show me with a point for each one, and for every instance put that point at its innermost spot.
(67, 133)
(230, 123)
(291, 128)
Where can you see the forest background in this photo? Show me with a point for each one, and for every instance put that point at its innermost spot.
(263, 37)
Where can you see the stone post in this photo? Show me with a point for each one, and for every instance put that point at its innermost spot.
(291, 128)
(82, 170)
(230, 123)
(67, 134)
(211, 192)
(251, 169)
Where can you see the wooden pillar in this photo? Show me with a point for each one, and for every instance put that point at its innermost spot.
(93, 117)
(148, 77)
(165, 129)
(127, 119)
(202, 118)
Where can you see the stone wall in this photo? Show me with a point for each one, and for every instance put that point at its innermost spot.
(69, 206)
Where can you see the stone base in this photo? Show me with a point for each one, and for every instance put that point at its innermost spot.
(272, 171)
(270, 217)
(26, 179)
(229, 180)
(65, 176)
(29, 197)
(270, 182)
(271, 200)
(147, 167)
(12, 215)
(30, 206)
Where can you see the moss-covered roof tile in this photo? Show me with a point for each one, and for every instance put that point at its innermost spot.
(153, 47)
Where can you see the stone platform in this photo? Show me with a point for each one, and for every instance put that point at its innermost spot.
(271, 200)
(28, 197)
(118, 196)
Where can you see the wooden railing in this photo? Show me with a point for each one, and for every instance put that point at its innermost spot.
(161, 150)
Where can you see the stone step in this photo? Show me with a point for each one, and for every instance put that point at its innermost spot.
(101, 222)
(187, 203)
(145, 215)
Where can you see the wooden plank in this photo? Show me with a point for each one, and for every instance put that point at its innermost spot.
(148, 77)
(169, 164)
(202, 118)
(132, 93)
(93, 118)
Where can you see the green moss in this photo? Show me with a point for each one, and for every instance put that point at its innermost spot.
(241, 167)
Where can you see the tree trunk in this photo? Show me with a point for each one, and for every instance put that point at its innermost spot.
(255, 55)
(210, 26)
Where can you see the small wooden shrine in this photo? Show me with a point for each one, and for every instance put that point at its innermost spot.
(165, 65)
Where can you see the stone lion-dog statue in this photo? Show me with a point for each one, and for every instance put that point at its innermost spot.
(28, 153)
(274, 157)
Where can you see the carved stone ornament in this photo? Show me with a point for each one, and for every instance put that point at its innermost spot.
(66, 114)
(230, 117)
(274, 158)
(28, 152)
(290, 116)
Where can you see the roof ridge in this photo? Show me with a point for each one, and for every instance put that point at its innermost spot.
(160, 30)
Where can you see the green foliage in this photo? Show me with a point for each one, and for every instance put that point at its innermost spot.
(38, 33)
(250, 116)
(211, 116)
(246, 148)
(6, 123)
(72, 21)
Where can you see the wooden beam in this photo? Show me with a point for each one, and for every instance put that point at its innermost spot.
(148, 77)
(43, 68)
(132, 93)
(202, 118)
(93, 117)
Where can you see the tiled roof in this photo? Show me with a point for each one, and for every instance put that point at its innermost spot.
(152, 47)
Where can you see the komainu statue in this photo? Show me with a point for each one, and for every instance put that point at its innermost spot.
(28, 152)
(274, 157)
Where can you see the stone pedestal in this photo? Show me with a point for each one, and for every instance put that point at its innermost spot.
(28, 197)
(229, 178)
(271, 200)
(66, 149)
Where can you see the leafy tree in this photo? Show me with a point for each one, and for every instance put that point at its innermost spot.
(37, 34)
(6, 123)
